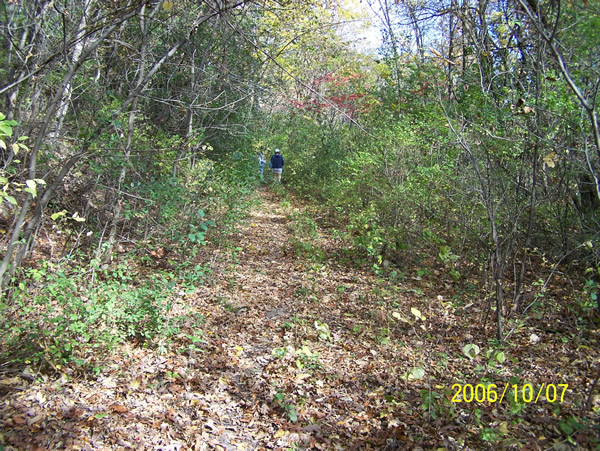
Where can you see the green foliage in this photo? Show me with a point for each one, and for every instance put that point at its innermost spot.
(374, 185)
(72, 322)
(307, 359)
(323, 330)
(455, 172)
(195, 343)
(10, 184)
(279, 352)
(367, 234)
(569, 427)
(288, 407)
(197, 233)
(449, 258)
(304, 239)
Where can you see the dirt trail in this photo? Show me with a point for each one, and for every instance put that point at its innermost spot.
(300, 351)
(283, 351)
(261, 365)
(295, 353)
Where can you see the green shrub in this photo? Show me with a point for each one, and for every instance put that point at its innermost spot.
(71, 321)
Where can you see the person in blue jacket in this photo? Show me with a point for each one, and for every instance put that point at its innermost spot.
(277, 164)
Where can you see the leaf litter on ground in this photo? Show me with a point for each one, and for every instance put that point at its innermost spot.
(308, 354)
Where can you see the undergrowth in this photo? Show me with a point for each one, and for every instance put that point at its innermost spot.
(74, 321)
(76, 311)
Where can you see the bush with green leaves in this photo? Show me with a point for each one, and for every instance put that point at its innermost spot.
(10, 182)
(304, 239)
(67, 312)
(72, 321)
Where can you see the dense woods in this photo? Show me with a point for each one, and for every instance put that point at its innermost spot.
(463, 154)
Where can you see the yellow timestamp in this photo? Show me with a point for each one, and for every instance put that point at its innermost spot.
(520, 393)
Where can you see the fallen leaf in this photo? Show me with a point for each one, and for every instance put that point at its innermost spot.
(417, 313)
(312, 428)
(10, 381)
(35, 419)
(135, 384)
(471, 350)
(417, 373)
(74, 413)
(300, 377)
(394, 423)
(280, 433)
(527, 110)
(109, 383)
(119, 408)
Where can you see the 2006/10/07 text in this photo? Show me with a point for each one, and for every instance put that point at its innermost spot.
(524, 393)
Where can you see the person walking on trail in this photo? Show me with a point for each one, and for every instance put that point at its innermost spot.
(277, 164)
(261, 162)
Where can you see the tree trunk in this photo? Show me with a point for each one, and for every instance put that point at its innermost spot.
(116, 216)
(63, 108)
(42, 134)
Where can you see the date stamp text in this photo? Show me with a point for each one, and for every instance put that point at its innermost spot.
(525, 393)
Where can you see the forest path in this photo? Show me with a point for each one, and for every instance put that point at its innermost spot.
(302, 351)
(298, 350)
(287, 347)
(293, 352)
